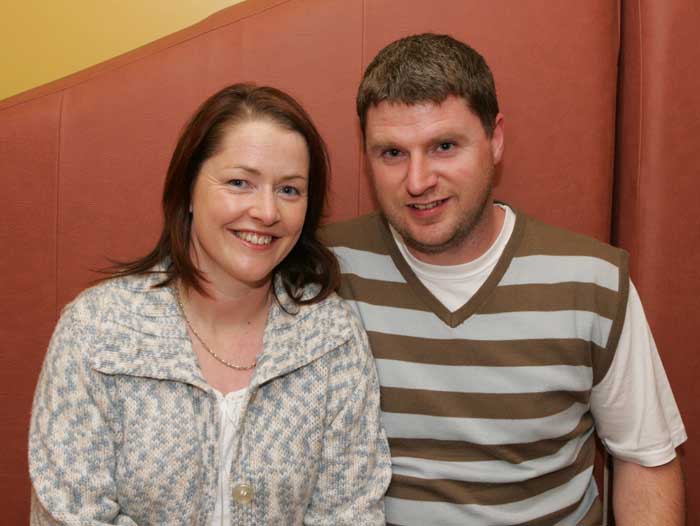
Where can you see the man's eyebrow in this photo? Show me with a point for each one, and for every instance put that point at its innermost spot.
(448, 137)
(381, 145)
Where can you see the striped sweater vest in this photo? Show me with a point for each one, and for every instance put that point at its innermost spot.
(487, 408)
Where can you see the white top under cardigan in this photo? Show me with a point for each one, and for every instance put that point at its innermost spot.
(230, 406)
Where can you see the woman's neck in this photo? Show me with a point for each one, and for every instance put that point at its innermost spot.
(227, 309)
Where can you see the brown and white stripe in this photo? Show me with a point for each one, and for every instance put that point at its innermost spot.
(487, 408)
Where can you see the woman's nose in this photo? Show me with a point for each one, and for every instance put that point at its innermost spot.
(265, 207)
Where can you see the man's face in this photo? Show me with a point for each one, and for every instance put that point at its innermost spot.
(432, 167)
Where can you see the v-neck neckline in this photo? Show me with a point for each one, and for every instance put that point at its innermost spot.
(453, 319)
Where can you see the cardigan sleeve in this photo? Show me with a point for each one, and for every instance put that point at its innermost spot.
(71, 441)
(356, 466)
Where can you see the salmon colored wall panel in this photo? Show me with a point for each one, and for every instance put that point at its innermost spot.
(657, 197)
(313, 50)
(28, 150)
(118, 133)
(555, 65)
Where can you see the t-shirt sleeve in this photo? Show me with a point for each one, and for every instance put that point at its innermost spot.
(635, 413)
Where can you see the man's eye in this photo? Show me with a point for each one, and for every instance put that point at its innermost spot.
(391, 152)
(238, 183)
(445, 146)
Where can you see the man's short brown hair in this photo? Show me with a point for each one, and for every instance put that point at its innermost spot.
(429, 68)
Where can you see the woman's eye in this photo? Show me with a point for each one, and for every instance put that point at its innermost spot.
(238, 183)
(289, 190)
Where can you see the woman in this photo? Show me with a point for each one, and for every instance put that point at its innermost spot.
(217, 380)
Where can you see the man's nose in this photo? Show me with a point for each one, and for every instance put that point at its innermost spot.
(420, 177)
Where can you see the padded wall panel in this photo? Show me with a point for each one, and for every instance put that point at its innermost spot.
(28, 150)
(657, 195)
(119, 130)
(312, 48)
(555, 65)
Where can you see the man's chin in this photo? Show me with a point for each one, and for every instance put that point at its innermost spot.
(437, 241)
(428, 240)
(434, 246)
(424, 241)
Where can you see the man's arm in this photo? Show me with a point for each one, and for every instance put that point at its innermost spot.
(648, 496)
(638, 421)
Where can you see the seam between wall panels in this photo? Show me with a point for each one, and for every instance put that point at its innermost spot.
(638, 216)
(613, 232)
(360, 151)
(613, 208)
(59, 136)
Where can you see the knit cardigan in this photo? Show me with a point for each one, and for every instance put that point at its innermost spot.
(125, 430)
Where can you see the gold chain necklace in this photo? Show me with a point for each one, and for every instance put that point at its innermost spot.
(204, 344)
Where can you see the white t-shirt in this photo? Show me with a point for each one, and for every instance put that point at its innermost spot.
(635, 414)
(230, 407)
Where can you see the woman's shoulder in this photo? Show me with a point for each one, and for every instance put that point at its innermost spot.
(116, 294)
(331, 314)
(335, 318)
(332, 306)
(337, 306)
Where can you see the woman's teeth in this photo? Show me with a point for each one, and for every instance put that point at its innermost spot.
(255, 239)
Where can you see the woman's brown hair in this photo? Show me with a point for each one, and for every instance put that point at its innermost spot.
(309, 261)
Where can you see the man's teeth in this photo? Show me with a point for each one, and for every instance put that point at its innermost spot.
(255, 239)
(426, 206)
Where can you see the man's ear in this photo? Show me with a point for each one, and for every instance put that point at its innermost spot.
(497, 139)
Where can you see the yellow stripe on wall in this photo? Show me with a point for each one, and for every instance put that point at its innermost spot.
(44, 40)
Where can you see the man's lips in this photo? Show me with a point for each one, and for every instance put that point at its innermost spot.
(430, 205)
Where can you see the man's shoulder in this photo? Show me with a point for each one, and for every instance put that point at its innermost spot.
(367, 233)
(540, 238)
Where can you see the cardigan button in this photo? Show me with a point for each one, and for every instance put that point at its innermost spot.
(243, 493)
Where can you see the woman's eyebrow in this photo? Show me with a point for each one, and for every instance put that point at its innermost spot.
(243, 167)
(254, 171)
(293, 176)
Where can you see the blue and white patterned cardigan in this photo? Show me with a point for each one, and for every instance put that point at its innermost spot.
(125, 429)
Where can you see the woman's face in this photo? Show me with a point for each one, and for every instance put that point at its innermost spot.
(248, 204)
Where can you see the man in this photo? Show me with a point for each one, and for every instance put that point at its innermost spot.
(503, 344)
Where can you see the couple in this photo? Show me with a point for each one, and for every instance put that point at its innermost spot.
(220, 380)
